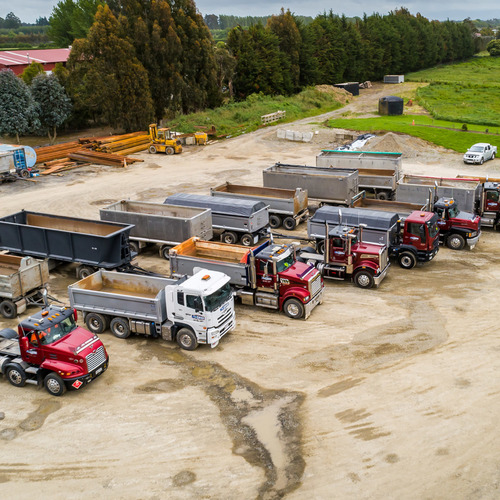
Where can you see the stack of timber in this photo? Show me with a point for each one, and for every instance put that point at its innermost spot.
(124, 144)
(114, 160)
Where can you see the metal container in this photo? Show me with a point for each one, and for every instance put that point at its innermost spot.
(29, 153)
(160, 223)
(67, 239)
(324, 184)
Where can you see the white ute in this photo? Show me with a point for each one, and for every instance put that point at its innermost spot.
(479, 153)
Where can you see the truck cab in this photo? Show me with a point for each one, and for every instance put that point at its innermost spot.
(53, 351)
(489, 202)
(457, 228)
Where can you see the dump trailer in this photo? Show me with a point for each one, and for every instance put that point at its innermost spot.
(49, 349)
(287, 207)
(416, 239)
(164, 225)
(191, 311)
(90, 243)
(268, 275)
(378, 172)
(22, 281)
(235, 220)
(323, 184)
(402, 208)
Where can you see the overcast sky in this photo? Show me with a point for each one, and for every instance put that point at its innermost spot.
(29, 10)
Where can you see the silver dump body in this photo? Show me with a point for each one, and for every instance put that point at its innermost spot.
(160, 223)
(21, 275)
(246, 216)
(381, 227)
(322, 183)
(121, 294)
(6, 162)
(280, 201)
(416, 189)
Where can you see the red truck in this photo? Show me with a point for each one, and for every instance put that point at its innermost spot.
(50, 349)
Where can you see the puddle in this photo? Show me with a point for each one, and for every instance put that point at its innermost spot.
(36, 419)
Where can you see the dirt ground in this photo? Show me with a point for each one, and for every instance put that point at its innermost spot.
(387, 393)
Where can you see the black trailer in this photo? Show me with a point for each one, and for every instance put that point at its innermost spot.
(93, 244)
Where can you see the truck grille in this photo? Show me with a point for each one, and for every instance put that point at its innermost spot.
(315, 285)
(383, 256)
(95, 359)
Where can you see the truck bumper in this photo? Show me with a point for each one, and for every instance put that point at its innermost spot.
(215, 334)
(427, 256)
(379, 278)
(79, 382)
(472, 242)
(317, 299)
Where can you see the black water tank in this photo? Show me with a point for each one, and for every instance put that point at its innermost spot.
(390, 105)
(352, 87)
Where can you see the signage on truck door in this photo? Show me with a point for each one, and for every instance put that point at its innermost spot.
(415, 234)
(265, 274)
(492, 201)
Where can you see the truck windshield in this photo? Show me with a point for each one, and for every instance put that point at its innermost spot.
(216, 299)
(57, 331)
(453, 211)
(433, 228)
(284, 263)
(476, 149)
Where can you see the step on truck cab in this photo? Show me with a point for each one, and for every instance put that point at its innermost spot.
(50, 349)
(268, 275)
(191, 311)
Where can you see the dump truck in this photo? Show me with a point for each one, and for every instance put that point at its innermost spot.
(160, 224)
(163, 141)
(89, 243)
(323, 184)
(268, 275)
(234, 220)
(287, 207)
(49, 349)
(378, 172)
(22, 282)
(191, 311)
(410, 241)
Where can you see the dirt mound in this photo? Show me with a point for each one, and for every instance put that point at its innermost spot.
(340, 95)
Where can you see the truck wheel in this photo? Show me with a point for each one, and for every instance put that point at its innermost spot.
(133, 246)
(164, 252)
(8, 309)
(289, 223)
(16, 375)
(274, 221)
(84, 272)
(481, 161)
(25, 173)
(229, 237)
(152, 150)
(169, 151)
(246, 240)
(294, 308)
(320, 246)
(119, 328)
(187, 339)
(492, 156)
(54, 384)
(455, 241)
(382, 196)
(363, 279)
(8, 333)
(407, 260)
(96, 323)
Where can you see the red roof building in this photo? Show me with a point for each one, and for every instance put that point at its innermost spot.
(19, 60)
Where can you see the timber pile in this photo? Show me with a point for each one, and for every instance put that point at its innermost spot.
(114, 160)
(124, 143)
(56, 152)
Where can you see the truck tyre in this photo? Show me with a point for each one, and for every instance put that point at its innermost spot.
(16, 375)
(187, 339)
(169, 150)
(492, 156)
(54, 384)
(455, 241)
(274, 221)
(382, 196)
(289, 223)
(363, 279)
(229, 237)
(25, 173)
(165, 252)
(96, 323)
(8, 333)
(481, 161)
(119, 328)
(320, 247)
(8, 309)
(133, 246)
(407, 260)
(294, 308)
(84, 272)
(152, 150)
(246, 239)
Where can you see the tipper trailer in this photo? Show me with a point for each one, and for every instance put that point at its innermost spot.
(236, 220)
(287, 207)
(191, 311)
(90, 243)
(50, 349)
(414, 239)
(268, 275)
(22, 281)
(164, 225)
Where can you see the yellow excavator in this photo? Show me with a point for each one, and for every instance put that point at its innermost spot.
(162, 141)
